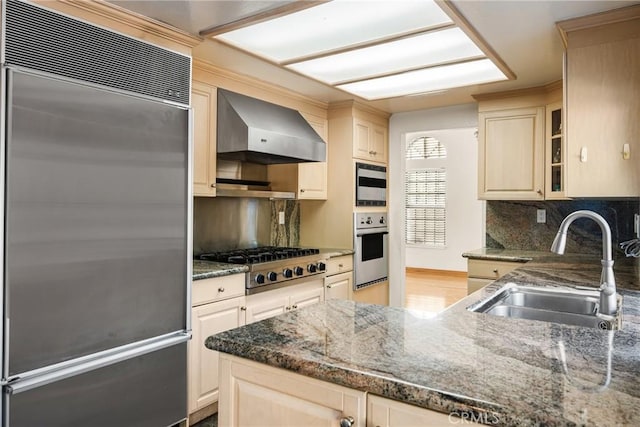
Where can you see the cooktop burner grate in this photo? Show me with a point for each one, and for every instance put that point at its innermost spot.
(257, 255)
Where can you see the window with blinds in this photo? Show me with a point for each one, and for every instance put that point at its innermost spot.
(426, 194)
(426, 147)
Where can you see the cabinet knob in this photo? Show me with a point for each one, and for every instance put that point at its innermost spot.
(220, 289)
(213, 186)
(329, 286)
(539, 191)
(495, 270)
(287, 308)
(243, 308)
(347, 422)
(302, 190)
(340, 265)
(294, 306)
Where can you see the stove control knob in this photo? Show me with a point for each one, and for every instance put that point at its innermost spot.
(299, 271)
(272, 275)
(311, 268)
(259, 278)
(381, 220)
(288, 273)
(369, 220)
(321, 266)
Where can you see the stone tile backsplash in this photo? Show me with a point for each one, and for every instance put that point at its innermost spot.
(513, 225)
(287, 234)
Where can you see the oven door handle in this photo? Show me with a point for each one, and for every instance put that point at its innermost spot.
(373, 232)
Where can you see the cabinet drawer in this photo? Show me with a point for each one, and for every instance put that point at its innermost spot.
(339, 264)
(217, 288)
(490, 269)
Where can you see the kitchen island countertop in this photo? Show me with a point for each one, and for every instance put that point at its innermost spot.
(509, 370)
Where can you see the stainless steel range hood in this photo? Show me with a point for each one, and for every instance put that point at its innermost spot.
(257, 131)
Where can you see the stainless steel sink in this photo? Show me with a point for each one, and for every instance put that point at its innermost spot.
(570, 306)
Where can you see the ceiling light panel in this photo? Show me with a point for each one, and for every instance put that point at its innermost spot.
(419, 51)
(427, 80)
(334, 25)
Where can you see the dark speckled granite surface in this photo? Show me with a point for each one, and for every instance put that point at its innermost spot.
(209, 269)
(462, 361)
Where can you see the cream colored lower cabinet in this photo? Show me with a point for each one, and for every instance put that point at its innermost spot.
(272, 303)
(209, 319)
(264, 306)
(382, 412)
(339, 281)
(212, 314)
(338, 286)
(482, 272)
(256, 395)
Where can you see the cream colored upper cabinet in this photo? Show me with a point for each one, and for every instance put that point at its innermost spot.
(555, 154)
(369, 141)
(602, 78)
(307, 180)
(511, 154)
(204, 104)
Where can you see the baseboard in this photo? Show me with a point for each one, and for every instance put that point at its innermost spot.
(452, 273)
(203, 413)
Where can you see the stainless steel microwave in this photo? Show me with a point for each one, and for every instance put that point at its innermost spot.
(371, 185)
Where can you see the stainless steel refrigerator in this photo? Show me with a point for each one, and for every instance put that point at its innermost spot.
(96, 254)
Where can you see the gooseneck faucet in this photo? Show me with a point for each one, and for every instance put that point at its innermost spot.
(607, 280)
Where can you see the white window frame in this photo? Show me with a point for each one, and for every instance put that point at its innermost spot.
(438, 205)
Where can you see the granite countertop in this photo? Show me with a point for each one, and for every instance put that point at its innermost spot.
(210, 269)
(335, 252)
(507, 370)
(504, 254)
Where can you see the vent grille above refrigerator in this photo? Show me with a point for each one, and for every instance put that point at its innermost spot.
(42, 40)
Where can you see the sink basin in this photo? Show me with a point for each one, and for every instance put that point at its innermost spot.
(569, 306)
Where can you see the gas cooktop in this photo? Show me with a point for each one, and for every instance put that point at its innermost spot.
(273, 267)
(258, 255)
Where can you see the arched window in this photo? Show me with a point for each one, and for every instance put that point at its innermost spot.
(425, 192)
(426, 147)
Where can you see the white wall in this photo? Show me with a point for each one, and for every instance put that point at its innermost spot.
(464, 210)
(462, 207)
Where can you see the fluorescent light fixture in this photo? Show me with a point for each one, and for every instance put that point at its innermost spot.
(374, 48)
(426, 80)
(414, 52)
(334, 25)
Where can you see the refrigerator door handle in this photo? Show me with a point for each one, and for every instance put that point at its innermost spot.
(37, 378)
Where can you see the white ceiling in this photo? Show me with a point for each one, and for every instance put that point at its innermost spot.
(523, 34)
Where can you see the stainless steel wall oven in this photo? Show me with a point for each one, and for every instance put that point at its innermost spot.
(371, 248)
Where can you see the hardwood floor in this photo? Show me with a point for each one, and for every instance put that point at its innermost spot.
(431, 291)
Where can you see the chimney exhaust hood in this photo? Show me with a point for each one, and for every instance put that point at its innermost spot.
(256, 131)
